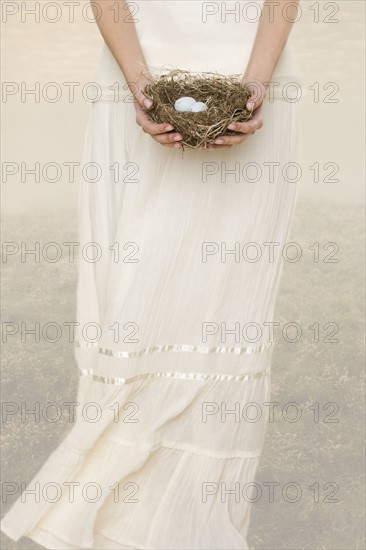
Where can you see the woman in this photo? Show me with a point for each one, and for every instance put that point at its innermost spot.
(174, 341)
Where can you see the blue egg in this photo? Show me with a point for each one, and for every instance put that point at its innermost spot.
(184, 104)
(198, 107)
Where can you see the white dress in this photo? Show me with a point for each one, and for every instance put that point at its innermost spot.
(192, 291)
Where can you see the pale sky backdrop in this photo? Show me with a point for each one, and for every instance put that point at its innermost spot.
(67, 52)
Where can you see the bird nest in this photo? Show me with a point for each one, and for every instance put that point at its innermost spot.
(225, 97)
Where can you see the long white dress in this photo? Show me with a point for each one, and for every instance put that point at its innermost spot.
(188, 275)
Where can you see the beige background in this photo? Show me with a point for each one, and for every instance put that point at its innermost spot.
(306, 452)
(68, 52)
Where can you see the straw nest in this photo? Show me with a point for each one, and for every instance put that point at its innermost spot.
(225, 97)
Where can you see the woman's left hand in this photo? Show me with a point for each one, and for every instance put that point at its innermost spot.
(245, 129)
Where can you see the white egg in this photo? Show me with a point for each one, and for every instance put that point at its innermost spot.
(198, 107)
(184, 104)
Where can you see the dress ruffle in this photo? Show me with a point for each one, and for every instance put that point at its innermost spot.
(138, 479)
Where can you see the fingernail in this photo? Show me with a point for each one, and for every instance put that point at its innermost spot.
(169, 128)
(232, 126)
(148, 103)
(250, 105)
(177, 138)
(219, 141)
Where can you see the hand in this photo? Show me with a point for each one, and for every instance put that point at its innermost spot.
(245, 129)
(162, 133)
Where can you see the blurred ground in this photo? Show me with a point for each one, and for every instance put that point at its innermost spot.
(324, 455)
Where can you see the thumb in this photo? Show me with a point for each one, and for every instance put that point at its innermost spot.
(251, 105)
(258, 92)
(145, 102)
(142, 100)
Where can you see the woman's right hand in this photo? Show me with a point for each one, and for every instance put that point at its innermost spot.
(162, 133)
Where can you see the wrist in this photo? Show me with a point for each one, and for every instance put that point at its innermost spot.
(137, 76)
(262, 80)
(136, 80)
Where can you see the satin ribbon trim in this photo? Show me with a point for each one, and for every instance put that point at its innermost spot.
(174, 348)
(201, 377)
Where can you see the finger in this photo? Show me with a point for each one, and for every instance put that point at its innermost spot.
(230, 140)
(258, 94)
(142, 100)
(172, 145)
(252, 104)
(213, 146)
(150, 127)
(247, 127)
(167, 138)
